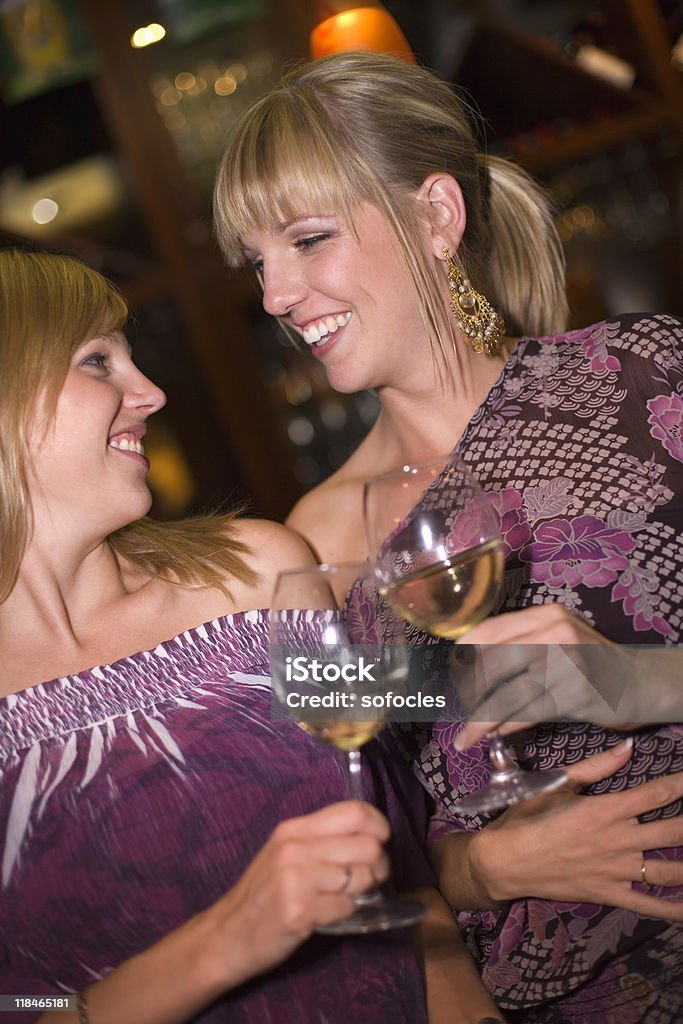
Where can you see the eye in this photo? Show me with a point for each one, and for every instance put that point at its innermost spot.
(257, 265)
(310, 240)
(96, 359)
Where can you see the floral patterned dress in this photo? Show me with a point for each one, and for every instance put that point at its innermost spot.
(134, 794)
(580, 445)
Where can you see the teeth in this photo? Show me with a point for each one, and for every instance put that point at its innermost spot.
(127, 444)
(328, 325)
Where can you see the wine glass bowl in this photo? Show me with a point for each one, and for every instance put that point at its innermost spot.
(441, 565)
(338, 683)
(439, 560)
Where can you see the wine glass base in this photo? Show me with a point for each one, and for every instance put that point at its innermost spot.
(508, 788)
(376, 915)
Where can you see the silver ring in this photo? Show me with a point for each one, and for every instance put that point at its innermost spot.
(648, 886)
(347, 878)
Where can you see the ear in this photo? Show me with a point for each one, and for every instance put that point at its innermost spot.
(444, 210)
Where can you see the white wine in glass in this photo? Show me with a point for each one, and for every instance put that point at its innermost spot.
(439, 560)
(339, 691)
(346, 736)
(449, 598)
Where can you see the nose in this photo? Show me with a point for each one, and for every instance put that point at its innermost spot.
(281, 289)
(144, 395)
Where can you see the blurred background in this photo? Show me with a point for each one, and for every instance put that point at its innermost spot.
(112, 115)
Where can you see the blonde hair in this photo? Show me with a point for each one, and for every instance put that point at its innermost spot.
(365, 127)
(50, 305)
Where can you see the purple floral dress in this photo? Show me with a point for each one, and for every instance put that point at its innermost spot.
(580, 445)
(134, 794)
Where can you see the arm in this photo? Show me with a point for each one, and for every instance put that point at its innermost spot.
(455, 991)
(297, 881)
(544, 663)
(330, 519)
(273, 548)
(567, 847)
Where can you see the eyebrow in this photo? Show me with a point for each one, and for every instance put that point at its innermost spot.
(282, 226)
(303, 219)
(117, 338)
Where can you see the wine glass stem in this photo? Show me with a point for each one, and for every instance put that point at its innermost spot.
(352, 770)
(501, 761)
(354, 786)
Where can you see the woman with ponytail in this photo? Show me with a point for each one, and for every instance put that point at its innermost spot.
(412, 263)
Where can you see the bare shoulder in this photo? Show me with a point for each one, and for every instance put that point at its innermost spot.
(271, 549)
(330, 518)
(271, 546)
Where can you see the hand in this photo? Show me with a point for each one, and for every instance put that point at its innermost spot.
(298, 879)
(527, 667)
(586, 849)
(307, 874)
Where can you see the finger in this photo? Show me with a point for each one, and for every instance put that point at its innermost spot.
(660, 873)
(347, 849)
(648, 796)
(548, 623)
(505, 628)
(599, 766)
(516, 704)
(643, 903)
(508, 682)
(331, 907)
(655, 906)
(518, 627)
(352, 878)
(473, 732)
(664, 834)
(358, 878)
(348, 816)
(491, 664)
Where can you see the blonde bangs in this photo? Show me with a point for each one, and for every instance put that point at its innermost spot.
(279, 164)
(74, 305)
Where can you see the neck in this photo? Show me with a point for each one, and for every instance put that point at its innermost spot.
(420, 421)
(62, 595)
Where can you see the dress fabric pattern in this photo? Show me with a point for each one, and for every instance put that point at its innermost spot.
(580, 447)
(133, 795)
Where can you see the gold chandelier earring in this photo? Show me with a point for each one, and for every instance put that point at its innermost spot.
(474, 313)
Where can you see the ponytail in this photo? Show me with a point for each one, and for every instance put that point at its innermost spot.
(525, 263)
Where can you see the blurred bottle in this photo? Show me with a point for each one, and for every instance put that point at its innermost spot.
(37, 34)
(337, 25)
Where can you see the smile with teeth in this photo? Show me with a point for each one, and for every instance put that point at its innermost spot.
(316, 332)
(127, 443)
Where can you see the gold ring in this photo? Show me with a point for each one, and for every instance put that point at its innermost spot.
(347, 878)
(648, 886)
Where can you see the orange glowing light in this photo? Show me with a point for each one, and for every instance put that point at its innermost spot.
(358, 28)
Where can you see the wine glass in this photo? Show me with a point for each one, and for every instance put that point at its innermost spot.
(439, 564)
(339, 690)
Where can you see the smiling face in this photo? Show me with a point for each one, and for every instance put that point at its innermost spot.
(346, 291)
(88, 467)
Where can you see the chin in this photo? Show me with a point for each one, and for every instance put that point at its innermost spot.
(346, 384)
(135, 511)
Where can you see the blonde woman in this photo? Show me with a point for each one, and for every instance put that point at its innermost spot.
(163, 851)
(411, 262)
